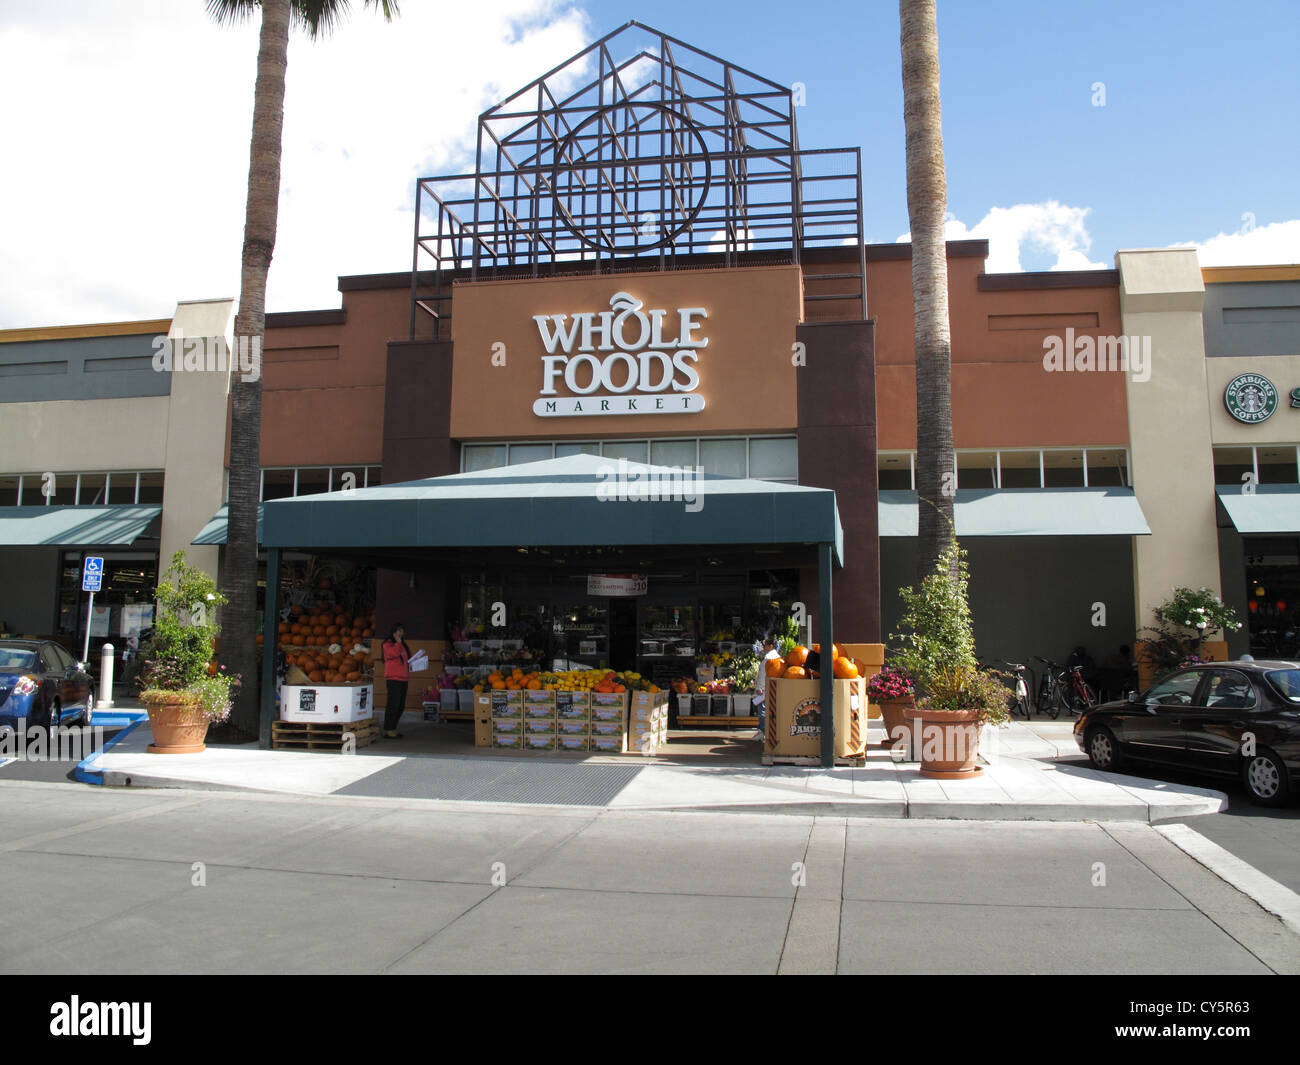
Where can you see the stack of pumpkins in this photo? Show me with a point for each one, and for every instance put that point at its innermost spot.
(794, 665)
(329, 646)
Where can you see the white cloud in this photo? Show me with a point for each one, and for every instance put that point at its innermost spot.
(127, 130)
(1277, 242)
(1051, 229)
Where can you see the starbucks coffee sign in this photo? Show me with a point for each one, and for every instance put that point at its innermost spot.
(625, 360)
(1250, 398)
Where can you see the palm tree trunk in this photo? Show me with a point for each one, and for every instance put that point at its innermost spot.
(238, 647)
(927, 197)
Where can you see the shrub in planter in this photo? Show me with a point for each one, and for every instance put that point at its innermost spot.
(182, 687)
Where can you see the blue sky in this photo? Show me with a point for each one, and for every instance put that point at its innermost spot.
(127, 191)
(1199, 127)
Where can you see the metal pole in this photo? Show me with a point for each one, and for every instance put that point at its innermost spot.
(824, 607)
(90, 613)
(270, 640)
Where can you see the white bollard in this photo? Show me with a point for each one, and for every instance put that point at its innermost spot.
(107, 658)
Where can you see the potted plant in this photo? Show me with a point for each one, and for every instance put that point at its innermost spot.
(184, 690)
(744, 676)
(1185, 623)
(937, 650)
(895, 693)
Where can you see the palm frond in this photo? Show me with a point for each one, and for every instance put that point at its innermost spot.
(231, 12)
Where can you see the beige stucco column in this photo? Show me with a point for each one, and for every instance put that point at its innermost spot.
(195, 447)
(1172, 458)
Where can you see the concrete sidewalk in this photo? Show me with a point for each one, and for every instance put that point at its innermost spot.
(1031, 772)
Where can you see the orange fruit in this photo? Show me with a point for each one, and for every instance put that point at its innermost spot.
(797, 656)
(796, 673)
(845, 669)
(774, 667)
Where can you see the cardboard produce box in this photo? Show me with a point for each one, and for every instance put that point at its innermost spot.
(568, 712)
(794, 718)
(507, 726)
(565, 742)
(544, 742)
(607, 744)
(565, 727)
(539, 712)
(320, 702)
(483, 721)
(539, 697)
(534, 727)
(606, 728)
(513, 740)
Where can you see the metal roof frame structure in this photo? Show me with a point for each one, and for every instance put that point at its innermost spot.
(638, 152)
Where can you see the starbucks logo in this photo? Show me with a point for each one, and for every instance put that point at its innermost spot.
(1250, 398)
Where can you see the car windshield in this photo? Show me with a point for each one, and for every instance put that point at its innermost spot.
(16, 658)
(1286, 682)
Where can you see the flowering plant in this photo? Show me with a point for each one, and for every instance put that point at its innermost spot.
(890, 683)
(1201, 611)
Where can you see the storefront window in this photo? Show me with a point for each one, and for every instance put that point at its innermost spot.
(520, 453)
(1273, 595)
(1019, 469)
(482, 456)
(977, 469)
(727, 458)
(123, 605)
(1107, 468)
(1277, 465)
(632, 450)
(774, 460)
(93, 490)
(682, 454)
(121, 488)
(564, 450)
(151, 488)
(1063, 469)
(1232, 465)
(313, 481)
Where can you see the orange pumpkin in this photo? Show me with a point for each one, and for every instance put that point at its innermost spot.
(797, 656)
(845, 669)
(259, 639)
(774, 667)
(315, 676)
(796, 673)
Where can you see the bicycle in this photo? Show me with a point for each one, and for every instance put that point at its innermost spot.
(1063, 688)
(1018, 702)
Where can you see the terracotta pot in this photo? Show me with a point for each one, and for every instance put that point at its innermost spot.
(896, 714)
(949, 743)
(179, 726)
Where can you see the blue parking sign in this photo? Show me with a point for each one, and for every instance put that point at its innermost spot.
(92, 575)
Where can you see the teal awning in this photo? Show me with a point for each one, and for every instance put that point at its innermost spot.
(1026, 512)
(578, 501)
(58, 526)
(1270, 508)
(214, 532)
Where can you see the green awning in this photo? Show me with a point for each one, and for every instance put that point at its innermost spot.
(1270, 508)
(58, 526)
(578, 501)
(1026, 512)
(214, 532)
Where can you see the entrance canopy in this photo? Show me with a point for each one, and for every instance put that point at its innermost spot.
(214, 532)
(59, 526)
(1026, 512)
(1270, 508)
(577, 501)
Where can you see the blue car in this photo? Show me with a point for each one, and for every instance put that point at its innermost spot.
(41, 684)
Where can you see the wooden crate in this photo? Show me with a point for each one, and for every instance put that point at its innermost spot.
(719, 722)
(321, 735)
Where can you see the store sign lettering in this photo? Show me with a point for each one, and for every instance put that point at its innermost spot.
(621, 361)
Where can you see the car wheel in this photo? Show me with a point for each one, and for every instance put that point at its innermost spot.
(53, 717)
(89, 712)
(1103, 751)
(1265, 778)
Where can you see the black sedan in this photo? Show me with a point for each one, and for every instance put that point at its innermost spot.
(1235, 719)
(41, 684)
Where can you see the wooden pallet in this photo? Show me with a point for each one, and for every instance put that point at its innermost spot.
(812, 760)
(720, 721)
(456, 715)
(322, 735)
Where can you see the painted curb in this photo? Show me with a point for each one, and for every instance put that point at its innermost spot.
(87, 772)
(1277, 899)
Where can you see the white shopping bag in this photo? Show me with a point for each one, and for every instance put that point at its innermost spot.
(418, 662)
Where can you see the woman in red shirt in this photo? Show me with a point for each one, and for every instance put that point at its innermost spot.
(396, 656)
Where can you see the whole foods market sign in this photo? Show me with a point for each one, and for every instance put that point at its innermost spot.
(626, 360)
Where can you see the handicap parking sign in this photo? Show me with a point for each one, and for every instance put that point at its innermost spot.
(92, 575)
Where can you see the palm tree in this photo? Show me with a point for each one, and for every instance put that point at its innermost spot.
(927, 196)
(239, 578)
